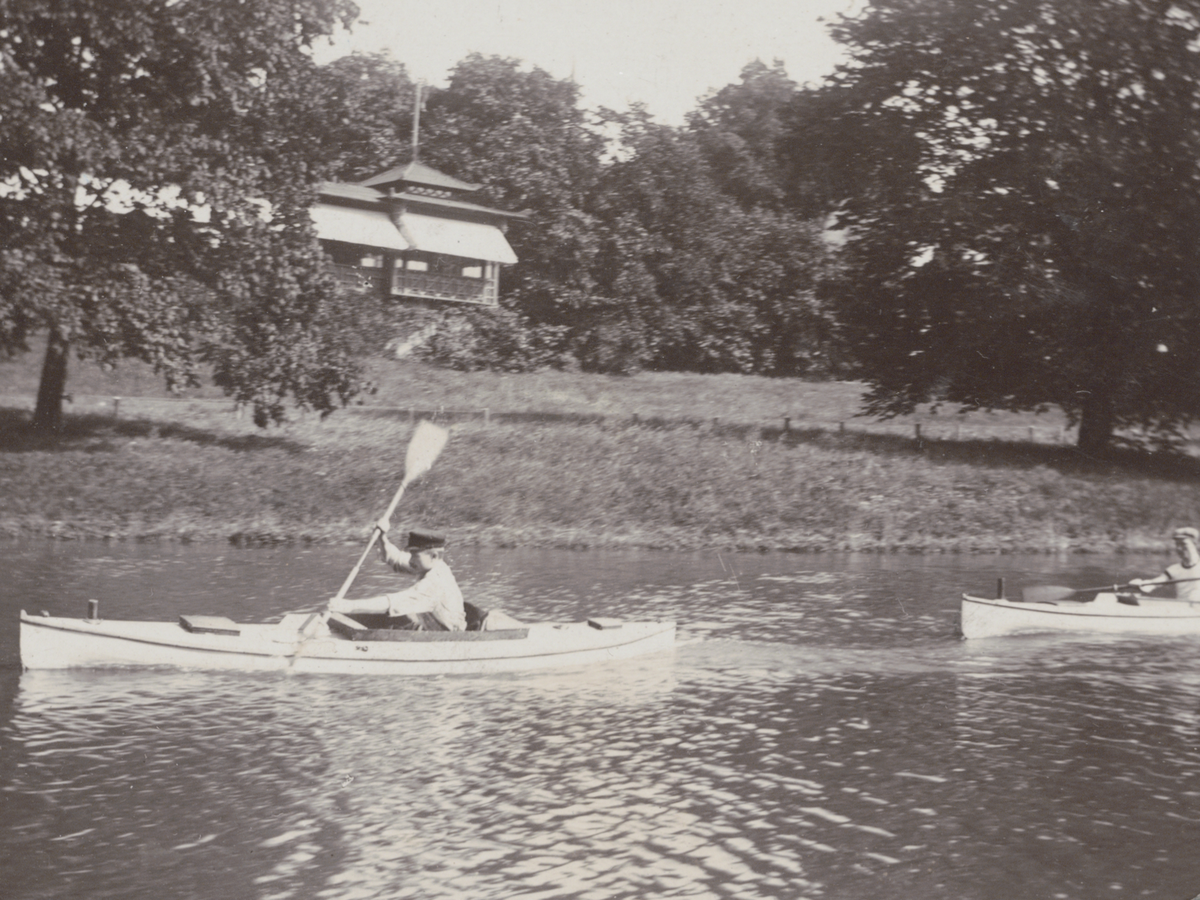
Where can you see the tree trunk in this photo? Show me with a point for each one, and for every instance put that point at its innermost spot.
(1096, 422)
(47, 416)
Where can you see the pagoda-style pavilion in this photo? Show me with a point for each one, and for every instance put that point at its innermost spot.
(413, 233)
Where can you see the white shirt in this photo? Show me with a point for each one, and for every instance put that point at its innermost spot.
(435, 594)
(1186, 588)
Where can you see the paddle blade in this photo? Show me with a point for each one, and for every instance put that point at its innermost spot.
(426, 444)
(1047, 593)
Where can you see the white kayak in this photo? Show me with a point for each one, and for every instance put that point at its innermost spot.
(340, 645)
(1108, 613)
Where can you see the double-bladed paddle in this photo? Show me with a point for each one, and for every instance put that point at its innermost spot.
(1048, 593)
(423, 449)
(426, 444)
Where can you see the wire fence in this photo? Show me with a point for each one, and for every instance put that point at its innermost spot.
(795, 425)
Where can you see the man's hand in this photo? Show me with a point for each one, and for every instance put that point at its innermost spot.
(383, 525)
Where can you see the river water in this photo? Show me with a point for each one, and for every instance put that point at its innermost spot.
(820, 732)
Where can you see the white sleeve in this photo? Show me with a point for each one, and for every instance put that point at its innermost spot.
(416, 599)
(399, 560)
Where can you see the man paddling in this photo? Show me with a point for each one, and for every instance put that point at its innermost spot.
(433, 603)
(1186, 573)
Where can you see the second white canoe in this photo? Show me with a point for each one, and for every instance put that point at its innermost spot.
(981, 617)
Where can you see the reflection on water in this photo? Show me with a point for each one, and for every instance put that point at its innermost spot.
(819, 733)
(183, 769)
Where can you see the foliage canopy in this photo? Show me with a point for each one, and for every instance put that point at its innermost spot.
(1020, 184)
(155, 177)
(635, 255)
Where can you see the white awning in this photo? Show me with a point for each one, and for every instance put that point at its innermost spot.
(454, 237)
(357, 226)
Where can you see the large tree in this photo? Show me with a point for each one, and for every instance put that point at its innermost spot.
(632, 256)
(696, 282)
(365, 102)
(739, 128)
(521, 133)
(155, 173)
(1021, 192)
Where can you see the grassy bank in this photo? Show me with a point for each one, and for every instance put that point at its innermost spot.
(562, 461)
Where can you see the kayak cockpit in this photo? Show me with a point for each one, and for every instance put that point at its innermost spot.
(210, 625)
(363, 628)
(1099, 600)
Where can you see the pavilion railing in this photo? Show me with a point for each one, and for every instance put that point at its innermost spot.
(419, 285)
(426, 286)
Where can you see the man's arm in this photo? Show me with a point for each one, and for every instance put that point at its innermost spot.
(399, 560)
(365, 605)
(402, 603)
(409, 601)
(1148, 584)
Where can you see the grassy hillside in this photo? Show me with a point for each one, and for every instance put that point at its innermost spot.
(561, 459)
(400, 386)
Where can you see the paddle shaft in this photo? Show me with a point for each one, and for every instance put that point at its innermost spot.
(426, 443)
(375, 532)
(1058, 592)
(358, 565)
(1131, 584)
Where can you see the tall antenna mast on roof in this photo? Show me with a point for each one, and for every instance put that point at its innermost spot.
(416, 128)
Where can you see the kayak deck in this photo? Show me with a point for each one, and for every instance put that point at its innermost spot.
(1107, 614)
(49, 642)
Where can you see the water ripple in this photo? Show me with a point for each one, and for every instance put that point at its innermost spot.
(819, 733)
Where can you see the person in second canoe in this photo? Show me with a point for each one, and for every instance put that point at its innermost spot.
(433, 603)
(1186, 573)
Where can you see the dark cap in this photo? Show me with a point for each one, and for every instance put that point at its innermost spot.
(420, 539)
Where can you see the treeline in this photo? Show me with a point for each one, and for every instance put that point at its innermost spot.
(992, 204)
(648, 246)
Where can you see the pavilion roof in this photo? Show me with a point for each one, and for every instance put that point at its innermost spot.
(417, 173)
(334, 190)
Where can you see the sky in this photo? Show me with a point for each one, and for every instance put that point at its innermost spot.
(664, 53)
